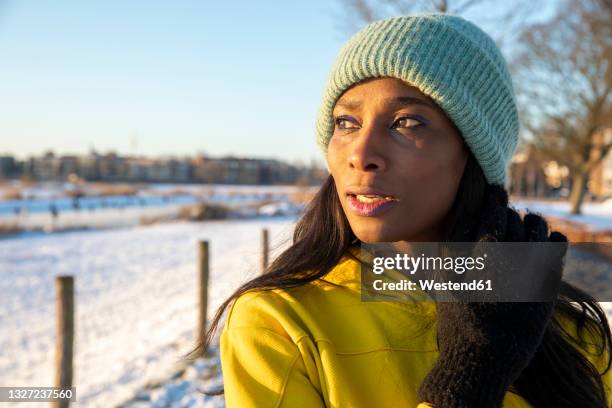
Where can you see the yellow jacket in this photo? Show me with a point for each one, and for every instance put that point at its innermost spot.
(319, 345)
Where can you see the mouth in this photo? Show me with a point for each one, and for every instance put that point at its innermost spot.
(369, 203)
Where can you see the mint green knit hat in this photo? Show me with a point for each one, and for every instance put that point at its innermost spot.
(447, 58)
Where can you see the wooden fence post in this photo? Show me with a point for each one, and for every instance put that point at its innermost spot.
(203, 272)
(64, 290)
(265, 249)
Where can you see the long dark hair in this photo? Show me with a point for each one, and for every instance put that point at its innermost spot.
(558, 375)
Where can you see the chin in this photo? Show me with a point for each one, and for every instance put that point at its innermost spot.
(373, 235)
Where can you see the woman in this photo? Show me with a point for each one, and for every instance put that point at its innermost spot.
(418, 122)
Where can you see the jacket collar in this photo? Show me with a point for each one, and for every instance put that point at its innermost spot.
(348, 274)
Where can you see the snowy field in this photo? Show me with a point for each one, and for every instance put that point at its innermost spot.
(135, 295)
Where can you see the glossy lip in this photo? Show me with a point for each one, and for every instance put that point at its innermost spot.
(369, 209)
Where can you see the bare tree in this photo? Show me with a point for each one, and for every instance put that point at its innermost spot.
(563, 77)
(502, 22)
(370, 10)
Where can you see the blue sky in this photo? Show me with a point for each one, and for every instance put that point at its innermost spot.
(165, 77)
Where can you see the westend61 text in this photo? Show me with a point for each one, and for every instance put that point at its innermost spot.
(429, 285)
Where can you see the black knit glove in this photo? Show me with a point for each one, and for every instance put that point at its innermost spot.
(485, 346)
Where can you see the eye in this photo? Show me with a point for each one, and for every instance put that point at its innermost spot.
(344, 122)
(407, 122)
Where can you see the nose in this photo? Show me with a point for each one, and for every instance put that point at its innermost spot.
(367, 151)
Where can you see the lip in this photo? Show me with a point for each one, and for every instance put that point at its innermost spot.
(369, 209)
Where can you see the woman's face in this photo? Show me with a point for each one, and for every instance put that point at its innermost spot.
(396, 160)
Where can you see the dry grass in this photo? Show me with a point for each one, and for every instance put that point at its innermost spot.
(204, 211)
(176, 192)
(154, 219)
(12, 193)
(108, 189)
(27, 181)
(302, 196)
(74, 193)
(7, 228)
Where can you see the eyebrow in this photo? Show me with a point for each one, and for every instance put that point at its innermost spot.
(400, 100)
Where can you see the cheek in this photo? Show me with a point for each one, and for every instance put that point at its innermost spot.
(429, 184)
(444, 170)
(439, 165)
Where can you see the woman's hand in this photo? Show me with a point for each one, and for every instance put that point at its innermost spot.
(485, 346)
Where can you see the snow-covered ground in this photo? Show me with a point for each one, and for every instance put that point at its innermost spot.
(108, 218)
(596, 216)
(136, 293)
(155, 202)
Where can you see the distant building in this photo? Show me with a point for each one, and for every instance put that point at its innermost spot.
(9, 167)
(68, 165)
(89, 168)
(233, 170)
(533, 175)
(528, 175)
(111, 167)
